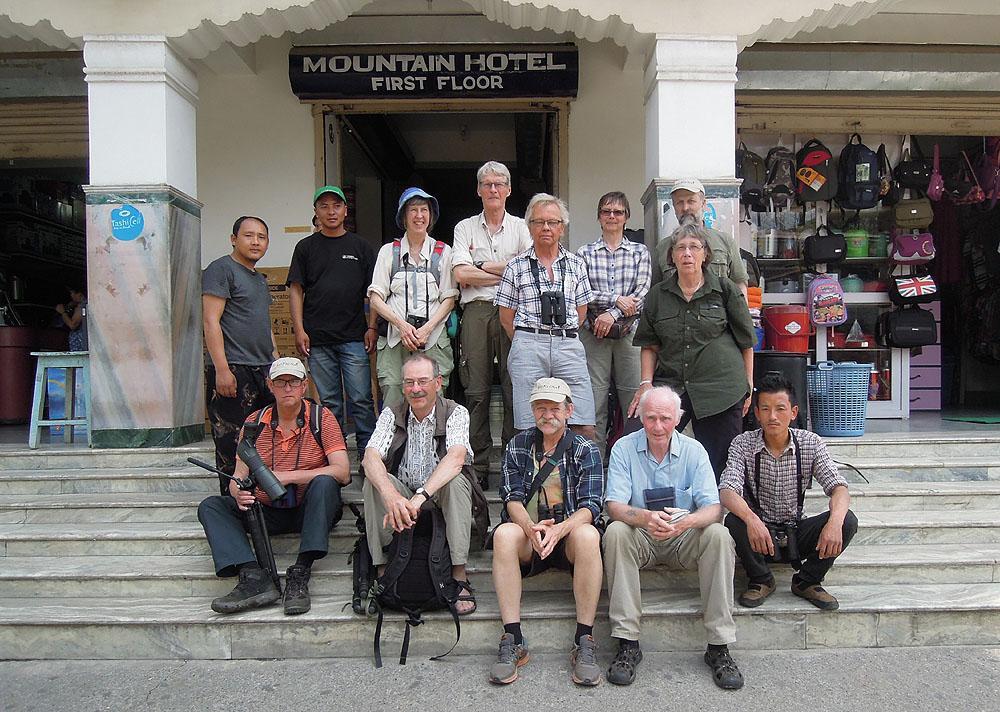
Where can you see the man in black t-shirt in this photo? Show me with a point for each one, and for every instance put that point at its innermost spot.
(328, 278)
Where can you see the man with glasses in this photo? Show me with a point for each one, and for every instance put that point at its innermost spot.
(418, 452)
(304, 447)
(483, 246)
(543, 297)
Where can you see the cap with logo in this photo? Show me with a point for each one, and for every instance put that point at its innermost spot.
(692, 184)
(320, 192)
(550, 389)
(287, 366)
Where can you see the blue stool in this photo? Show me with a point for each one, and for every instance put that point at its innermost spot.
(71, 361)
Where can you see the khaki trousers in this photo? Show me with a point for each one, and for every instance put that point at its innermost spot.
(607, 358)
(455, 500)
(710, 550)
(389, 366)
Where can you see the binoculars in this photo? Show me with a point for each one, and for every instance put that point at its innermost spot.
(553, 308)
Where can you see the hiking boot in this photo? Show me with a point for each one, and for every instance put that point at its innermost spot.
(255, 590)
(583, 660)
(622, 670)
(297, 590)
(755, 594)
(816, 595)
(510, 657)
(724, 671)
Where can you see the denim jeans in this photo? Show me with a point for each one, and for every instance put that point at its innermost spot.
(339, 368)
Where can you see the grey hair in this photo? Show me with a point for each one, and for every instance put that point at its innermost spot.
(689, 229)
(419, 356)
(546, 199)
(665, 391)
(494, 168)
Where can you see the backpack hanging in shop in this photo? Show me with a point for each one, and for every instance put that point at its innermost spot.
(889, 189)
(858, 176)
(750, 167)
(779, 187)
(825, 301)
(816, 172)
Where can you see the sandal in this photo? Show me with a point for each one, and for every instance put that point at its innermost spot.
(470, 596)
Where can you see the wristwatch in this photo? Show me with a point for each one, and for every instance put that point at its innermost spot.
(424, 493)
(478, 265)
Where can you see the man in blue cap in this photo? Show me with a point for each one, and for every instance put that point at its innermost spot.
(412, 288)
(328, 276)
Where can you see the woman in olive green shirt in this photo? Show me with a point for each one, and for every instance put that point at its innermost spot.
(697, 337)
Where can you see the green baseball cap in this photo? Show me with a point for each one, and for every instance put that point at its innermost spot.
(329, 189)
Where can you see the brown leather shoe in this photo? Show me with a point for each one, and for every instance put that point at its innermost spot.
(755, 594)
(816, 595)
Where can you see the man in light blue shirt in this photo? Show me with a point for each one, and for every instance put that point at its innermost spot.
(685, 534)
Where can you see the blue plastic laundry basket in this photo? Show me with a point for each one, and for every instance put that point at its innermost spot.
(838, 398)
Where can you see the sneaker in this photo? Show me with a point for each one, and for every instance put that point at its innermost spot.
(755, 594)
(724, 671)
(510, 657)
(297, 590)
(583, 660)
(816, 595)
(622, 670)
(255, 590)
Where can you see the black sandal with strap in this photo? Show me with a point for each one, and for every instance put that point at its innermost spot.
(470, 596)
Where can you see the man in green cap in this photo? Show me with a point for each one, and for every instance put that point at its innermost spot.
(328, 277)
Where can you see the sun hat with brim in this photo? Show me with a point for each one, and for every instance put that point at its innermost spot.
(408, 195)
(692, 184)
(550, 389)
(329, 189)
(287, 366)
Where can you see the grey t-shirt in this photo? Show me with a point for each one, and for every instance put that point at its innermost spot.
(246, 321)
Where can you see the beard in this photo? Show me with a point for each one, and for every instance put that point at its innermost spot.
(688, 219)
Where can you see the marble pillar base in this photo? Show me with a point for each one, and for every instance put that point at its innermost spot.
(148, 437)
(722, 209)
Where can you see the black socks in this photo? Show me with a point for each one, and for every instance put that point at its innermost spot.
(582, 630)
(515, 630)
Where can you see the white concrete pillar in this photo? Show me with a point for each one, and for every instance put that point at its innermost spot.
(690, 97)
(143, 244)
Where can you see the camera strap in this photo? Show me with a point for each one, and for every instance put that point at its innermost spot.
(413, 282)
(752, 496)
(556, 458)
(538, 281)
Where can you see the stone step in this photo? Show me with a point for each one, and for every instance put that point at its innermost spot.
(57, 456)
(185, 627)
(168, 576)
(915, 446)
(187, 538)
(182, 506)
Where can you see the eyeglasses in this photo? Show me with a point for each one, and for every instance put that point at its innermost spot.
(288, 384)
(608, 212)
(412, 382)
(693, 248)
(493, 185)
(550, 224)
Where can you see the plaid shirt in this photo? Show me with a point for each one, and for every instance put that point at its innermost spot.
(777, 496)
(625, 272)
(581, 472)
(517, 288)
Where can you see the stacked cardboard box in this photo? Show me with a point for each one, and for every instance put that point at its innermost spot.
(281, 315)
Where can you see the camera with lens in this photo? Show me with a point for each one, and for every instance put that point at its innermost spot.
(416, 321)
(260, 475)
(556, 512)
(553, 308)
(786, 543)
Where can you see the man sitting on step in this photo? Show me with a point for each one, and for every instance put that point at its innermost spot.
(310, 459)
(553, 490)
(665, 503)
(404, 469)
(763, 487)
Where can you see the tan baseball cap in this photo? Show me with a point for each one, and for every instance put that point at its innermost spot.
(287, 366)
(551, 389)
(692, 184)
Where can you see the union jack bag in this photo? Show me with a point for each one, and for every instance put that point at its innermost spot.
(912, 289)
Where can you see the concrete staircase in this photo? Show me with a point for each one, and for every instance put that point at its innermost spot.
(102, 557)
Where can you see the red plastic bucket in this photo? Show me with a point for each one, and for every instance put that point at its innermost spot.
(787, 328)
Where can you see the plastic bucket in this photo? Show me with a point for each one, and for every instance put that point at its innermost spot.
(857, 243)
(787, 328)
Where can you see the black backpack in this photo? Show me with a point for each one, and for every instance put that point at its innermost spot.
(750, 167)
(363, 571)
(816, 172)
(417, 578)
(779, 186)
(858, 174)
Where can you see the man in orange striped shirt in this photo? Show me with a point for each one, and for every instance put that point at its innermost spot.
(302, 444)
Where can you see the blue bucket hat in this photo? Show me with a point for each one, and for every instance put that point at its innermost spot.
(410, 194)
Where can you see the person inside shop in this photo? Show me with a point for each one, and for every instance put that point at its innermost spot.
(73, 315)
(405, 434)
(234, 305)
(553, 493)
(328, 277)
(664, 503)
(313, 469)
(697, 337)
(763, 487)
(483, 246)
(414, 291)
(688, 199)
(543, 297)
(619, 273)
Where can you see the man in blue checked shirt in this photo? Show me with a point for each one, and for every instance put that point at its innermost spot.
(553, 491)
(619, 271)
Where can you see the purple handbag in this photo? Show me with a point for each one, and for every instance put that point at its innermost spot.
(935, 188)
(910, 248)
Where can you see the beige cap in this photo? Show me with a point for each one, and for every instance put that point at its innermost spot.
(287, 366)
(550, 389)
(692, 184)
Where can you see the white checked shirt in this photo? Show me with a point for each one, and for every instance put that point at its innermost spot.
(474, 243)
(624, 272)
(420, 457)
(517, 289)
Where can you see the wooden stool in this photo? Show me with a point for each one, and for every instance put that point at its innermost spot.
(71, 361)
